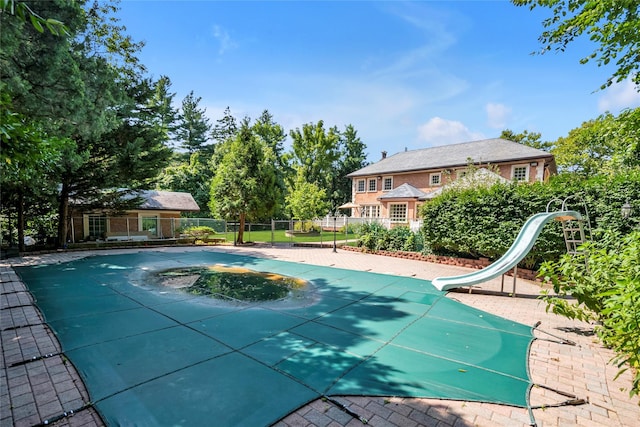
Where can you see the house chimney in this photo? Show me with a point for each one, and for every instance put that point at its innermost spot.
(384, 154)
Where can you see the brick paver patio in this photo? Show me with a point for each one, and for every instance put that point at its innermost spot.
(38, 385)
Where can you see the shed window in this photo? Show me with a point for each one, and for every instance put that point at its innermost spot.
(97, 226)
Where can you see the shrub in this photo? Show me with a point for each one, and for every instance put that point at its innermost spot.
(605, 282)
(376, 237)
(199, 232)
(371, 236)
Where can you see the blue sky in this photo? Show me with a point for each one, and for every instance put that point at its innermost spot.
(405, 74)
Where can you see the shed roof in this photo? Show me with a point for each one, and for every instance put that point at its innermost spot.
(496, 150)
(168, 200)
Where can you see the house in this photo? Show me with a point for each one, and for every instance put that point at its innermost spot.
(396, 186)
(157, 217)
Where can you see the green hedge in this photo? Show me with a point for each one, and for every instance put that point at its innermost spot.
(484, 222)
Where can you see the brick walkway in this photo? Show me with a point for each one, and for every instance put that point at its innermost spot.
(38, 384)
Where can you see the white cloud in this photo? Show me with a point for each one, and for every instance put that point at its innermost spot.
(497, 115)
(439, 131)
(224, 39)
(619, 96)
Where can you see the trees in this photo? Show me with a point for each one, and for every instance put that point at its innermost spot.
(530, 139)
(314, 153)
(161, 101)
(193, 130)
(315, 150)
(23, 11)
(352, 157)
(603, 145)
(306, 200)
(272, 134)
(613, 25)
(29, 159)
(193, 177)
(88, 89)
(244, 184)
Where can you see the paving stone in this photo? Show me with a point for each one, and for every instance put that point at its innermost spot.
(580, 369)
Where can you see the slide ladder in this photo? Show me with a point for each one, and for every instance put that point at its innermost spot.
(573, 229)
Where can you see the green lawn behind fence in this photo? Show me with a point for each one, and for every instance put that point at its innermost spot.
(279, 236)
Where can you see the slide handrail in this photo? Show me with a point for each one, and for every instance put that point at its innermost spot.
(518, 250)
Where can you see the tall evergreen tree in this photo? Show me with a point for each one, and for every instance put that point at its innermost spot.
(194, 128)
(223, 132)
(225, 128)
(273, 135)
(161, 103)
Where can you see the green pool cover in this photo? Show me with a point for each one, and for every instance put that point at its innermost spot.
(151, 355)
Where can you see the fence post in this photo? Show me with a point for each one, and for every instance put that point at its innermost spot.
(346, 230)
(273, 231)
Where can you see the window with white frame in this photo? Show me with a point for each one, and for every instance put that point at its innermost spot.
(387, 183)
(520, 173)
(360, 186)
(461, 173)
(373, 185)
(435, 179)
(398, 212)
(97, 225)
(371, 211)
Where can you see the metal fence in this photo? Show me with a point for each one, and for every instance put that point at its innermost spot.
(96, 228)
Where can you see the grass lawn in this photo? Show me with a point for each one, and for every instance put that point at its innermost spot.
(280, 237)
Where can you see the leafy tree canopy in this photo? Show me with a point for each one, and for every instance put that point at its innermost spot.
(602, 145)
(306, 200)
(531, 139)
(244, 184)
(613, 25)
(22, 11)
(315, 150)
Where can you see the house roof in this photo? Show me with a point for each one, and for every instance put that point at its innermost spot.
(405, 191)
(168, 200)
(494, 150)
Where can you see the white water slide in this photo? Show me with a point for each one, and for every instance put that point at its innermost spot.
(518, 250)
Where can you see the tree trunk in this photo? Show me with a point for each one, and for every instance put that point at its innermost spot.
(63, 213)
(240, 239)
(20, 209)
